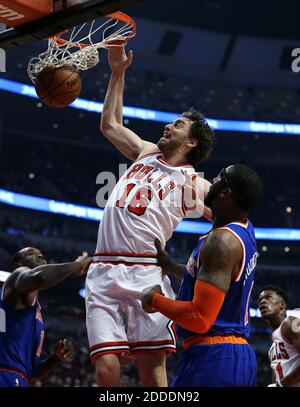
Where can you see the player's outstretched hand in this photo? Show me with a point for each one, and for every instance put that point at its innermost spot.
(64, 350)
(164, 259)
(147, 298)
(118, 60)
(83, 265)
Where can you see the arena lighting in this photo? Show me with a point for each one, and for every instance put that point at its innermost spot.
(95, 214)
(255, 313)
(158, 116)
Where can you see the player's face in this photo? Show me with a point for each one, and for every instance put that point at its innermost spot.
(175, 135)
(269, 303)
(214, 191)
(32, 257)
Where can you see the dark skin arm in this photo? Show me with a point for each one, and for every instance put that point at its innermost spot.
(169, 267)
(125, 140)
(63, 352)
(291, 330)
(22, 285)
(220, 260)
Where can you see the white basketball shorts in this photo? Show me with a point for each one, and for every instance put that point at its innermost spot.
(116, 321)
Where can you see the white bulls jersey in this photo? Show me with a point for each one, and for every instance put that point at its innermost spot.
(148, 202)
(282, 354)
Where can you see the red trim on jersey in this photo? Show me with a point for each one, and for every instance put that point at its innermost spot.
(194, 195)
(16, 371)
(146, 350)
(178, 165)
(182, 203)
(106, 344)
(126, 254)
(146, 155)
(125, 263)
(108, 352)
(151, 343)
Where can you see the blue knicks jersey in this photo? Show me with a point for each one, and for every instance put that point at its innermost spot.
(21, 338)
(233, 317)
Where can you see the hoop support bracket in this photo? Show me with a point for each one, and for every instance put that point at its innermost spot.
(59, 21)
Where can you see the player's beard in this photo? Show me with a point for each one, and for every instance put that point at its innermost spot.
(169, 146)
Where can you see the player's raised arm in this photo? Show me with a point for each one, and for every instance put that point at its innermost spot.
(125, 140)
(46, 276)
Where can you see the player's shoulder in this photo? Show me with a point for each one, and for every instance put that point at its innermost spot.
(12, 296)
(222, 240)
(220, 252)
(290, 327)
(294, 313)
(196, 178)
(201, 182)
(12, 278)
(148, 150)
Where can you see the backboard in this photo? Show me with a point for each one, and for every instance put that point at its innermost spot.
(64, 14)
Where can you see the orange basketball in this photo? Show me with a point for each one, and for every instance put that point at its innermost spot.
(58, 87)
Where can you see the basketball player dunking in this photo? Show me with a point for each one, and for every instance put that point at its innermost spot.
(149, 201)
(284, 353)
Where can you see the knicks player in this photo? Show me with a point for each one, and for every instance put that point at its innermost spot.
(212, 309)
(22, 331)
(284, 353)
(153, 196)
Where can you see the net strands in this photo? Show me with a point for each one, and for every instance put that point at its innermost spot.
(81, 52)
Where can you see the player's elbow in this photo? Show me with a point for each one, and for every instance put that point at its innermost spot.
(108, 130)
(195, 322)
(204, 327)
(103, 127)
(201, 327)
(107, 124)
(40, 278)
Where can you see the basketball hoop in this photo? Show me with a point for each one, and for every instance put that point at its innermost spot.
(79, 45)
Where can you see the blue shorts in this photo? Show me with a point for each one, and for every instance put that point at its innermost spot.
(221, 365)
(10, 379)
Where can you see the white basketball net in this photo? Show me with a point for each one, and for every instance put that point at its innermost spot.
(81, 52)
